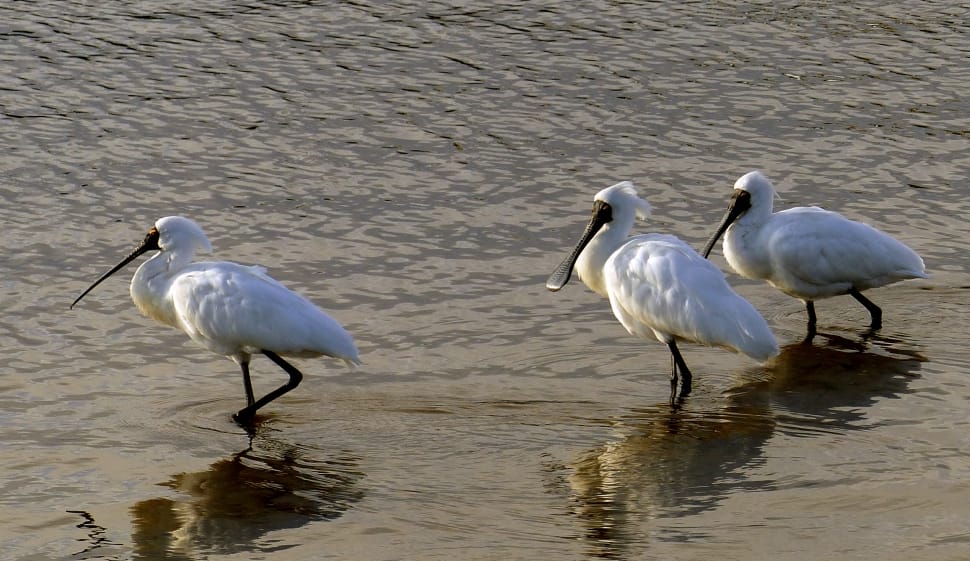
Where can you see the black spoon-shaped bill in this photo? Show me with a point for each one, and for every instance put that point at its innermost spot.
(602, 213)
(150, 244)
(740, 203)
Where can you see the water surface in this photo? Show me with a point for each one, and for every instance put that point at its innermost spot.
(418, 169)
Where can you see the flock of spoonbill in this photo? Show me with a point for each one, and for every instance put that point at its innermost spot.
(657, 285)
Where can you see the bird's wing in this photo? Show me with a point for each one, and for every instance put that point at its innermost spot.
(226, 306)
(659, 286)
(823, 247)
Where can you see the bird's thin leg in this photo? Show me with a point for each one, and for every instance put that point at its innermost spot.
(680, 365)
(673, 379)
(810, 308)
(245, 416)
(874, 310)
(247, 383)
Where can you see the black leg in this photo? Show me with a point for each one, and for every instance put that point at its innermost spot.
(245, 416)
(247, 383)
(874, 310)
(810, 308)
(673, 378)
(679, 365)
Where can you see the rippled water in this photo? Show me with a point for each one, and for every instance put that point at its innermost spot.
(418, 169)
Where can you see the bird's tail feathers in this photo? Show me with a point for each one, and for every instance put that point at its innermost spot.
(352, 363)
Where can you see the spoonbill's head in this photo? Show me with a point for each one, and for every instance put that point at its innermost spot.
(616, 205)
(180, 233)
(751, 190)
(172, 233)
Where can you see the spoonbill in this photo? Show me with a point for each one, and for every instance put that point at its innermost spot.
(807, 252)
(659, 287)
(233, 310)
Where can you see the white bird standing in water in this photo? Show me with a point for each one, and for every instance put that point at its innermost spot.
(230, 309)
(659, 287)
(807, 252)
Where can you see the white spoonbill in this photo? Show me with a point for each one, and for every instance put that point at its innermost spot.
(659, 287)
(230, 309)
(807, 252)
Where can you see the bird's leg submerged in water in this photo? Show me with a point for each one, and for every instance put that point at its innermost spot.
(245, 415)
(874, 311)
(673, 378)
(247, 383)
(677, 364)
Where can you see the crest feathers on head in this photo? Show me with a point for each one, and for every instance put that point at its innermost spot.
(624, 194)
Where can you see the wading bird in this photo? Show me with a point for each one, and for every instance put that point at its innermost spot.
(659, 287)
(807, 252)
(230, 309)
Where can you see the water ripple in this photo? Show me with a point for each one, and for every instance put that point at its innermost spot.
(417, 170)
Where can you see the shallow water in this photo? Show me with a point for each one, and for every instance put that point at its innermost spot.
(418, 169)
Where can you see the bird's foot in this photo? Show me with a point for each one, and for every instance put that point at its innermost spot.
(677, 399)
(685, 386)
(870, 333)
(245, 418)
(809, 336)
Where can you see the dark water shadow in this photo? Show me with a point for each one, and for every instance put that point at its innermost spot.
(96, 542)
(229, 507)
(829, 383)
(676, 462)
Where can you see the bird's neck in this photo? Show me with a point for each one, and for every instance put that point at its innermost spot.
(744, 248)
(591, 262)
(150, 288)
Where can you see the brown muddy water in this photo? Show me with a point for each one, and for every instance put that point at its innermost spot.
(418, 169)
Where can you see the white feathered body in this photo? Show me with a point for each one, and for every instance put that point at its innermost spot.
(811, 253)
(231, 309)
(659, 287)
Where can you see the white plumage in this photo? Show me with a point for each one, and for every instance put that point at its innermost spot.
(230, 309)
(808, 252)
(659, 287)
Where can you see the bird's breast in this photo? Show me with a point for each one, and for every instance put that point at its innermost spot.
(149, 292)
(745, 254)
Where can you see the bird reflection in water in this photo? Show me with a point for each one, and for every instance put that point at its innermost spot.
(672, 462)
(828, 385)
(238, 500)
